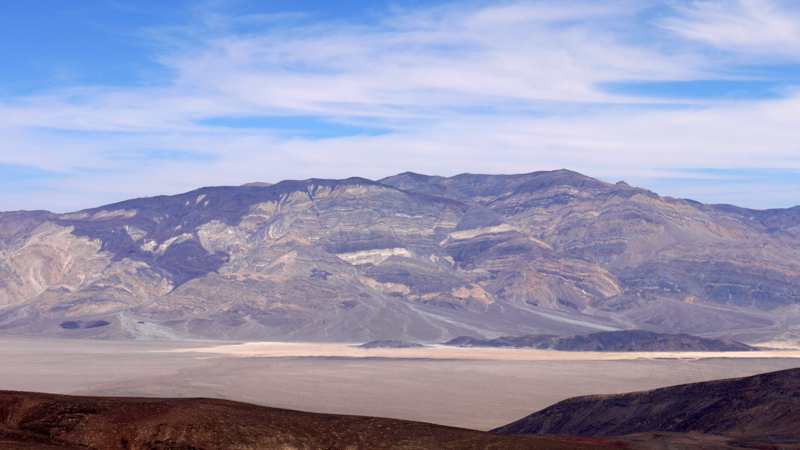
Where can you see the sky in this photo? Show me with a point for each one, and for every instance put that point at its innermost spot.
(102, 101)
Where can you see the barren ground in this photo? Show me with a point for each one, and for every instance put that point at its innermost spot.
(468, 387)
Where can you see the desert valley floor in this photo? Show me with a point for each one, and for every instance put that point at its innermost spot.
(467, 387)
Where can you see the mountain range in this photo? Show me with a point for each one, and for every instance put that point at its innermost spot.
(409, 257)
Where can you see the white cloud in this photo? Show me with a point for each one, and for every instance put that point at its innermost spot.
(761, 29)
(508, 88)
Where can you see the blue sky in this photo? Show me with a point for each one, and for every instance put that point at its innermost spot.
(108, 100)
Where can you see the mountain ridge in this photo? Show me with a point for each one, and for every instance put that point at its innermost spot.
(408, 257)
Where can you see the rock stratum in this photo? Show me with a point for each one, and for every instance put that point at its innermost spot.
(33, 421)
(410, 257)
(760, 411)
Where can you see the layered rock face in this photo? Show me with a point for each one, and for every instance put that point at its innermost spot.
(408, 257)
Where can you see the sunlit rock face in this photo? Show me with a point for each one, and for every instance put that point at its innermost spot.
(410, 257)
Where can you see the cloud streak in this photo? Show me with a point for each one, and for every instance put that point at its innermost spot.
(753, 29)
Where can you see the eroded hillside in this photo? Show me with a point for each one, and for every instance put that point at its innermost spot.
(408, 257)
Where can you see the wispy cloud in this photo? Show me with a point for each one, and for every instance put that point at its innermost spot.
(756, 29)
(519, 86)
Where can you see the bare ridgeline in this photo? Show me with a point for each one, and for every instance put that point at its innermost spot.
(551, 260)
(409, 257)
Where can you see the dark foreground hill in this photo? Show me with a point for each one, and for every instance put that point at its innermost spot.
(757, 411)
(409, 257)
(47, 422)
(609, 341)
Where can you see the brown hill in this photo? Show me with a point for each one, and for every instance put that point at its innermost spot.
(760, 410)
(410, 257)
(47, 422)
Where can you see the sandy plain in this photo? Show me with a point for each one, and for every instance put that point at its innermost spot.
(472, 388)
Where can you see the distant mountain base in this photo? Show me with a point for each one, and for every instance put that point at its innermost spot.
(609, 341)
(390, 344)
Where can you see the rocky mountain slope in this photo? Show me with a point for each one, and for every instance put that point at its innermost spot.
(407, 257)
(34, 421)
(609, 341)
(757, 412)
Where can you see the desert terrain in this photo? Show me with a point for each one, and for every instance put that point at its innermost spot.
(36, 421)
(408, 257)
(759, 411)
(476, 388)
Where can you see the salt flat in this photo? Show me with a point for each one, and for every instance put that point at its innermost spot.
(292, 349)
(469, 387)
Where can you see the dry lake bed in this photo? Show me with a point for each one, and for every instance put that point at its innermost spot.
(468, 387)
